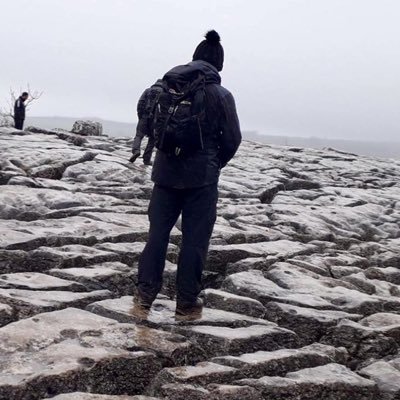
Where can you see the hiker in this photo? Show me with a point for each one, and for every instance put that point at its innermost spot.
(197, 133)
(145, 111)
(19, 111)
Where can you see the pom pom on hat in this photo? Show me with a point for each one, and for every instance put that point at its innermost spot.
(210, 50)
(212, 37)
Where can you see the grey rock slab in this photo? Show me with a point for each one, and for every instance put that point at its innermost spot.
(38, 281)
(69, 256)
(87, 128)
(373, 286)
(386, 323)
(162, 314)
(113, 276)
(96, 171)
(74, 350)
(234, 190)
(116, 277)
(30, 302)
(251, 263)
(343, 225)
(59, 232)
(232, 392)
(387, 377)
(45, 258)
(235, 233)
(280, 362)
(36, 150)
(362, 283)
(220, 256)
(25, 203)
(201, 374)
(390, 256)
(314, 266)
(127, 252)
(130, 252)
(337, 258)
(122, 191)
(364, 342)
(7, 314)
(389, 274)
(139, 221)
(174, 391)
(66, 212)
(253, 284)
(14, 261)
(91, 396)
(231, 302)
(55, 170)
(310, 324)
(341, 294)
(383, 253)
(258, 222)
(44, 183)
(73, 138)
(69, 366)
(340, 271)
(233, 211)
(39, 332)
(220, 341)
(328, 382)
(375, 336)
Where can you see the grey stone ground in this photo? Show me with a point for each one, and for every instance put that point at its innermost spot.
(302, 281)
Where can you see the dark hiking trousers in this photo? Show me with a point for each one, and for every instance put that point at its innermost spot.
(19, 124)
(148, 151)
(137, 142)
(198, 207)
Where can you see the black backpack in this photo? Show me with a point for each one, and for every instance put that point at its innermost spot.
(179, 112)
(147, 118)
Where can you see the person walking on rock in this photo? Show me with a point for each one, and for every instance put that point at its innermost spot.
(196, 132)
(145, 111)
(19, 111)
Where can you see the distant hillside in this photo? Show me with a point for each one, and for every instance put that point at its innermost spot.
(118, 129)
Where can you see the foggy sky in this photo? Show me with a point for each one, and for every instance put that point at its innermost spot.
(326, 68)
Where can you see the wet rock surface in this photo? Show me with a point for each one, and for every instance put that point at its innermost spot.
(88, 396)
(301, 285)
(330, 382)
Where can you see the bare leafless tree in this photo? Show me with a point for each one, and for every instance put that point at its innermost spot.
(7, 110)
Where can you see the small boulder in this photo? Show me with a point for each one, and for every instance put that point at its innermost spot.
(87, 128)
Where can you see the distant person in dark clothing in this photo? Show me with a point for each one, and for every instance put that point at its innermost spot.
(188, 184)
(19, 110)
(145, 111)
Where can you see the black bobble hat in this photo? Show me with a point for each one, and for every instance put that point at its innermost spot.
(210, 50)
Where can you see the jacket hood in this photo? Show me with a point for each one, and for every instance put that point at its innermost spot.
(159, 82)
(190, 70)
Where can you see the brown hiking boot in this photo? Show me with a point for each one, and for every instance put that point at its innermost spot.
(142, 301)
(189, 309)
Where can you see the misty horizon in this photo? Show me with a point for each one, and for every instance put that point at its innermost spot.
(249, 131)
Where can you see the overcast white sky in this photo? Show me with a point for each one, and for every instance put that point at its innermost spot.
(327, 68)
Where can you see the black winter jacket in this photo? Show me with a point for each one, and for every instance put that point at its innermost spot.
(19, 109)
(221, 138)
